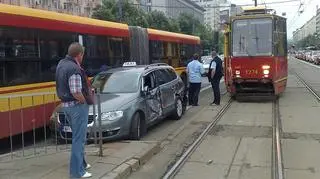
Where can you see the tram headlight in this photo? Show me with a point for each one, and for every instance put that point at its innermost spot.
(266, 67)
(266, 72)
(237, 72)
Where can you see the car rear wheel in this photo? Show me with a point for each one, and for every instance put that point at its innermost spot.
(135, 133)
(179, 109)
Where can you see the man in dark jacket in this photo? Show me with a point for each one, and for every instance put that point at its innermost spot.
(214, 75)
(73, 90)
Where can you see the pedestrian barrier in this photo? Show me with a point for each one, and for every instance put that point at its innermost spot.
(34, 124)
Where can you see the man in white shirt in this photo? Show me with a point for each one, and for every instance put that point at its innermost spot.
(194, 70)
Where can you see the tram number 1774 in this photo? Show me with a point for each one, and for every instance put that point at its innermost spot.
(251, 72)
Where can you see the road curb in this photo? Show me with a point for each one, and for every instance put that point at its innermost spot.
(133, 164)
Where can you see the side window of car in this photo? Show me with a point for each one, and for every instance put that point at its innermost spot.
(149, 81)
(172, 74)
(162, 77)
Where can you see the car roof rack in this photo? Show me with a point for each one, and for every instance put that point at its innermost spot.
(156, 64)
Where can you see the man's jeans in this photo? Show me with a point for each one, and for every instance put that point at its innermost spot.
(78, 118)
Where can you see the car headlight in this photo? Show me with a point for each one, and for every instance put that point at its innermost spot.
(111, 116)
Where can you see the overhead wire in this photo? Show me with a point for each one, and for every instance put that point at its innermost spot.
(217, 6)
(300, 11)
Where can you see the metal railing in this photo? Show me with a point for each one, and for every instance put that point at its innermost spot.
(34, 125)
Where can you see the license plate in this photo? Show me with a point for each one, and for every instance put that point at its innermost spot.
(66, 129)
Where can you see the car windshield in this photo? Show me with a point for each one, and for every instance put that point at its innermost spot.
(117, 82)
(252, 37)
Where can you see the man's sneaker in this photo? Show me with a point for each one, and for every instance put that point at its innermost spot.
(88, 166)
(87, 175)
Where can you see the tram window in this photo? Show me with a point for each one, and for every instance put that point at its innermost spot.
(30, 55)
(280, 42)
(252, 37)
(96, 56)
(19, 56)
(116, 46)
(156, 51)
(53, 48)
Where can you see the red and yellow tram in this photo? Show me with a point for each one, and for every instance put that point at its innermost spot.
(33, 41)
(256, 53)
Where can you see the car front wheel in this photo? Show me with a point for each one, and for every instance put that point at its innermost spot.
(179, 109)
(135, 133)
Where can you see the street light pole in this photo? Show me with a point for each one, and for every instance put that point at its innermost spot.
(120, 10)
(255, 3)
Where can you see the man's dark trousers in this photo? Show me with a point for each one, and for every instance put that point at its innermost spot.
(215, 83)
(194, 90)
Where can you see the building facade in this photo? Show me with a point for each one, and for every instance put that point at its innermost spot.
(212, 12)
(318, 20)
(309, 28)
(75, 7)
(217, 12)
(173, 8)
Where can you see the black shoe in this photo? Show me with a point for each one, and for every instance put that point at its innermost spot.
(215, 103)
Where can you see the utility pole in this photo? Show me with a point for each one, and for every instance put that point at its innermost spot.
(193, 25)
(255, 3)
(120, 10)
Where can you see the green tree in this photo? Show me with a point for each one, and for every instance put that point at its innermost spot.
(187, 23)
(174, 25)
(131, 15)
(106, 11)
(124, 11)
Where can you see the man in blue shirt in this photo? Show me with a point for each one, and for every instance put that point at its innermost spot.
(194, 70)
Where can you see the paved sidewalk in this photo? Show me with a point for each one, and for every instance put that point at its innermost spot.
(119, 160)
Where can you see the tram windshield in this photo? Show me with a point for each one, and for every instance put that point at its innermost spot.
(252, 37)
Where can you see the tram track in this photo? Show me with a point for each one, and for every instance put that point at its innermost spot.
(190, 150)
(307, 85)
(277, 168)
(277, 160)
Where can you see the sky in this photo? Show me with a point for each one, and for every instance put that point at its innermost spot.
(294, 19)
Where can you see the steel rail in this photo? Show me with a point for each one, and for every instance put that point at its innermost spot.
(313, 92)
(277, 161)
(181, 161)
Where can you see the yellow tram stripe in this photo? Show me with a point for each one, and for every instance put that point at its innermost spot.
(23, 11)
(281, 79)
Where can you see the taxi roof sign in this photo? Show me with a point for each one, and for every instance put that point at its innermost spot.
(129, 64)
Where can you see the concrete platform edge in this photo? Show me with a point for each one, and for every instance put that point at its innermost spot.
(124, 170)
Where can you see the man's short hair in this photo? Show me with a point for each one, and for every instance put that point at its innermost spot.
(196, 56)
(214, 53)
(75, 49)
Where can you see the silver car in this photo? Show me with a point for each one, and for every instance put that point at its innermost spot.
(132, 99)
(206, 63)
